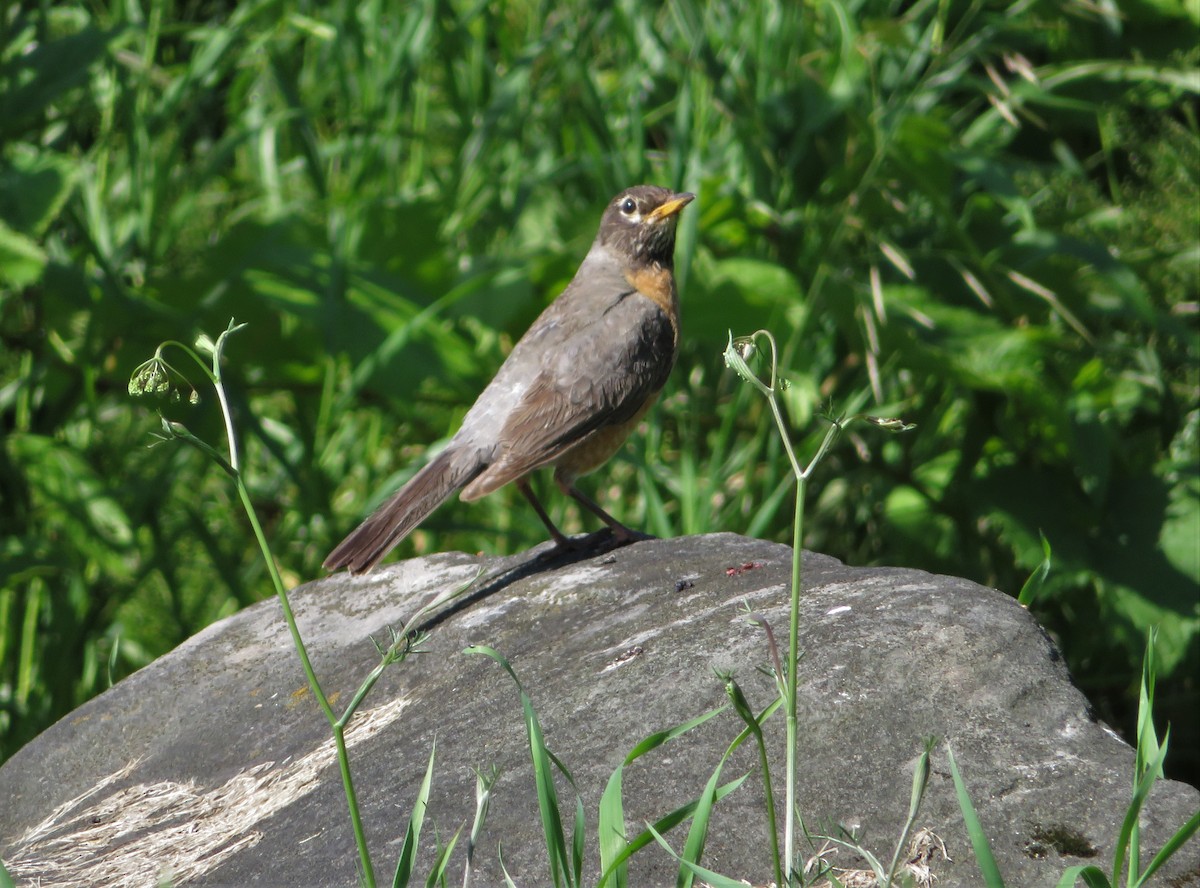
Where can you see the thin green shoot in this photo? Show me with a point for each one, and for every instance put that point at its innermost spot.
(714, 879)
(742, 708)
(412, 835)
(483, 797)
(920, 783)
(565, 865)
(698, 832)
(441, 861)
(665, 824)
(508, 881)
(979, 842)
(1033, 585)
(1149, 757)
(1148, 769)
(737, 353)
(1148, 763)
(614, 848)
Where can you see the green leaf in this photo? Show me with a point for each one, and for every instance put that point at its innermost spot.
(693, 848)
(21, 259)
(412, 833)
(1147, 737)
(1128, 837)
(1091, 875)
(979, 843)
(560, 858)
(611, 813)
(67, 489)
(35, 80)
(547, 796)
(441, 860)
(1033, 585)
(1177, 841)
(33, 188)
(664, 824)
(716, 880)
(1180, 533)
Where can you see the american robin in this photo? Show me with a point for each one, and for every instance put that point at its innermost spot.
(572, 389)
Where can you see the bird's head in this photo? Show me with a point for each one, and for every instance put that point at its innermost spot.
(639, 223)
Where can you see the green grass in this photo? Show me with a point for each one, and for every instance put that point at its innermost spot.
(979, 217)
(567, 841)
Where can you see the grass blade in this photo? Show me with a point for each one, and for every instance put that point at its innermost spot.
(693, 847)
(612, 808)
(716, 880)
(437, 873)
(547, 794)
(412, 835)
(979, 842)
(543, 775)
(1176, 841)
(662, 825)
(508, 882)
(919, 785)
(1092, 876)
(1033, 585)
(483, 798)
(1127, 839)
(577, 841)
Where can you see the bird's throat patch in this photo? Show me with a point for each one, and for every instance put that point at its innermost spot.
(657, 284)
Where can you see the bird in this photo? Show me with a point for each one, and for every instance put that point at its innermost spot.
(570, 391)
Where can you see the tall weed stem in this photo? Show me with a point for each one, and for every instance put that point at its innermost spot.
(157, 376)
(737, 353)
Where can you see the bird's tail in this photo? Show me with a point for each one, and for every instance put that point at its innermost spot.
(368, 543)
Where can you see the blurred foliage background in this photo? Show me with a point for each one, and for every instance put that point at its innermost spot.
(982, 214)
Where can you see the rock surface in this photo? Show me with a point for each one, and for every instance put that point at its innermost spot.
(213, 766)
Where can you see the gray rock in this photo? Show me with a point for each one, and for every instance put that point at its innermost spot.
(213, 765)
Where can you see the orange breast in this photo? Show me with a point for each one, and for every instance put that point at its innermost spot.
(657, 284)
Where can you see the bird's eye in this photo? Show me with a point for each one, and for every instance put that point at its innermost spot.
(628, 206)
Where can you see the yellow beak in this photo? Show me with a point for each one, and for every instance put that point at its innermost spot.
(672, 206)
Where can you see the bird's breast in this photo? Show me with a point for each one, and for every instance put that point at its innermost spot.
(657, 283)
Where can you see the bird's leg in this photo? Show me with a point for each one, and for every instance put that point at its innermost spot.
(621, 533)
(560, 539)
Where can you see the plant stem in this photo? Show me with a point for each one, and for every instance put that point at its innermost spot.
(360, 835)
(793, 661)
(338, 726)
(793, 666)
(790, 697)
(360, 839)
